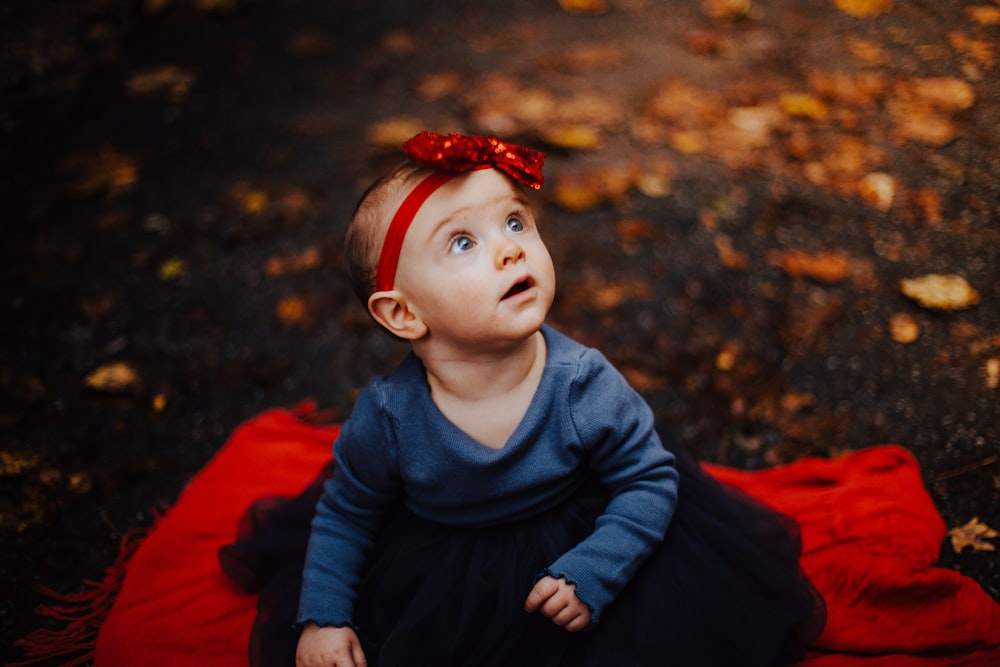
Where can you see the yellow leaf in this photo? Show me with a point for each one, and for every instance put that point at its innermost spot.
(254, 201)
(573, 136)
(803, 104)
(172, 269)
(863, 8)
(973, 534)
(940, 292)
(690, 142)
(116, 377)
(17, 462)
(393, 132)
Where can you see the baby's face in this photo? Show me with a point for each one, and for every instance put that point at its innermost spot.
(473, 266)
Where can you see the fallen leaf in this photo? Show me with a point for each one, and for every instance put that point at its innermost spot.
(437, 85)
(992, 371)
(984, 14)
(114, 378)
(292, 311)
(708, 42)
(102, 170)
(878, 189)
(168, 80)
(863, 8)
(172, 269)
(392, 133)
(729, 257)
(803, 104)
(973, 534)
(580, 191)
(826, 266)
(603, 296)
(865, 50)
(793, 402)
(304, 260)
(580, 137)
(945, 93)
(584, 7)
(930, 128)
(980, 52)
(726, 9)
(642, 380)
(927, 205)
(633, 232)
(587, 56)
(940, 292)
(399, 42)
(727, 356)
(16, 462)
(904, 328)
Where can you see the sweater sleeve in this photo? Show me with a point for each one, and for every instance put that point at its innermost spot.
(616, 426)
(349, 515)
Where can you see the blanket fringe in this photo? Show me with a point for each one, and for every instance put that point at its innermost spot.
(83, 612)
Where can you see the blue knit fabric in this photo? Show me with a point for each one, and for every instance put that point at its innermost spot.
(584, 419)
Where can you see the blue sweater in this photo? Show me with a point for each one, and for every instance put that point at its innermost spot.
(584, 419)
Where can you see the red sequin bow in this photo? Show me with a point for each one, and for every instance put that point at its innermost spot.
(448, 156)
(457, 152)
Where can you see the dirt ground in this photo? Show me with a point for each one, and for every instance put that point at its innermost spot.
(735, 194)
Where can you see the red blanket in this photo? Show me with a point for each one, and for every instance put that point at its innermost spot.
(870, 536)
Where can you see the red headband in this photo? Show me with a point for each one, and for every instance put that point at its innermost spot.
(449, 156)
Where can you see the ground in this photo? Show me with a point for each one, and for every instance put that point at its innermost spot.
(737, 194)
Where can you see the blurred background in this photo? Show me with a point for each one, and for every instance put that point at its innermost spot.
(779, 218)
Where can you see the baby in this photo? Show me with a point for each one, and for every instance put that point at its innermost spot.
(494, 418)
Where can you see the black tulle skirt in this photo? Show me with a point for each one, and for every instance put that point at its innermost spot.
(724, 587)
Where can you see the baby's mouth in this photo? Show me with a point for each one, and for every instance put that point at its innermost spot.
(518, 287)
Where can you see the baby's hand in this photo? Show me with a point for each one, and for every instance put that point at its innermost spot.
(557, 600)
(329, 647)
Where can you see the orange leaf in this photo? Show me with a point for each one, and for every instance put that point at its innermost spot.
(863, 8)
(827, 267)
(292, 310)
(584, 7)
(984, 14)
(116, 377)
(904, 328)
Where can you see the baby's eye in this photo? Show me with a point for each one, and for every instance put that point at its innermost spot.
(461, 244)
(515, 225)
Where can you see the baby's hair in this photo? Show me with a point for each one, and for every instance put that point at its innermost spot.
(363, 241)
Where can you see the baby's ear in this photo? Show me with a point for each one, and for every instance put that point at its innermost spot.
(389, 308)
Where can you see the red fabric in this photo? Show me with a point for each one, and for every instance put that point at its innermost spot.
(176, 608)
(870, 536)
